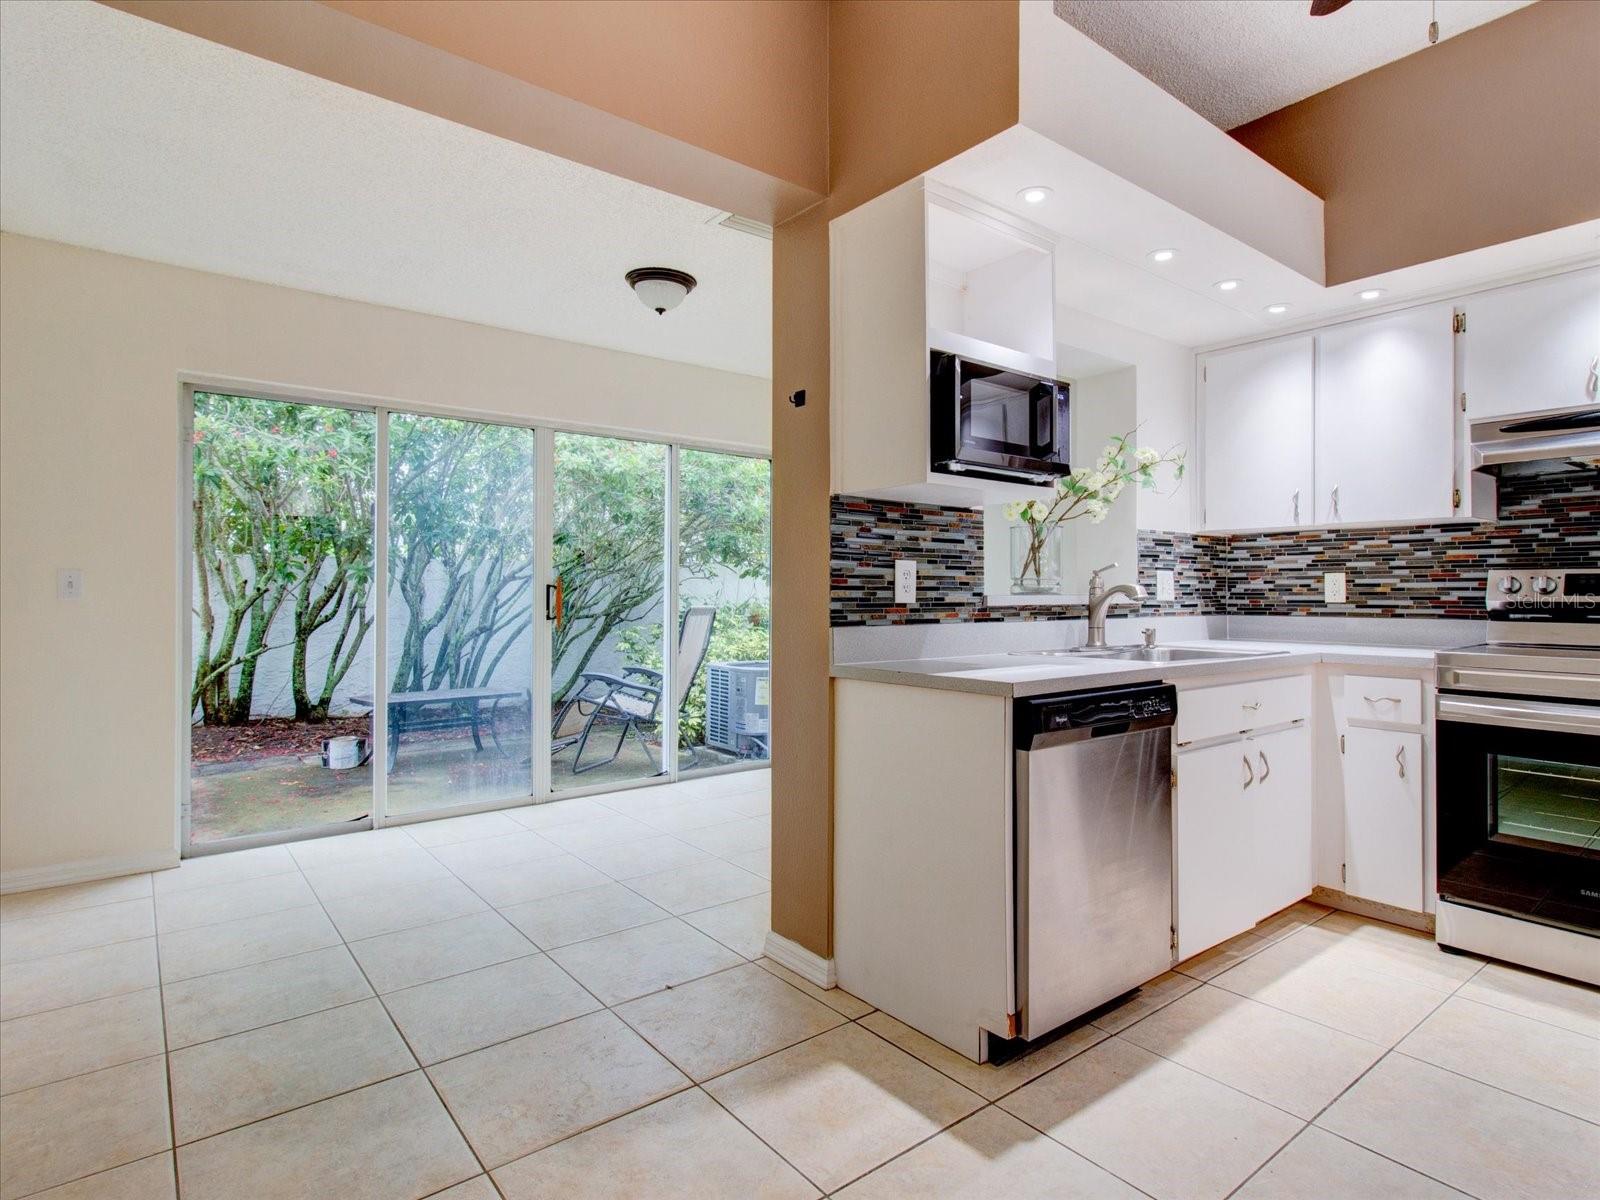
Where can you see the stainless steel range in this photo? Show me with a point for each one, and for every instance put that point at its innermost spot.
(1519, 777)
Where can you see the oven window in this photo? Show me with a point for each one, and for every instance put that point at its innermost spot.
(1546, 803)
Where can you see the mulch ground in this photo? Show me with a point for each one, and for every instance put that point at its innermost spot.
(271, 737)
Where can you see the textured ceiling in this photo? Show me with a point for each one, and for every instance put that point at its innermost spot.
(1235, 60)
(124, 135)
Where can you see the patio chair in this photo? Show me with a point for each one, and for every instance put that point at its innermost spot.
(630, 701)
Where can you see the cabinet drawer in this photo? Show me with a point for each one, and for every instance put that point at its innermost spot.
(1235, 707)
(1375, 698)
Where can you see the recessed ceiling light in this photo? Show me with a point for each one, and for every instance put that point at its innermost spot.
(1163, 255)
(1227, 285)
(1371, 293)
(1277, 310)
(1034, 195)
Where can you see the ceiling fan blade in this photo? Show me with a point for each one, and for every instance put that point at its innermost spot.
(1323, 8)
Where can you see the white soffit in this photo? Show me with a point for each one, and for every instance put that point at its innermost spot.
(124, 135)
(1235, 60)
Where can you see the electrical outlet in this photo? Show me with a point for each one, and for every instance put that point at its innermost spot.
(1166, 586)
(905, 581)
(1333, 587)
(69, 583)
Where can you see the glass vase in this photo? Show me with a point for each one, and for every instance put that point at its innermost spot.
(1035, 560)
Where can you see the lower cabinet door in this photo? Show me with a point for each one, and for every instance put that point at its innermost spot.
(1281, 868)
(1383, 816)
(1214, 847)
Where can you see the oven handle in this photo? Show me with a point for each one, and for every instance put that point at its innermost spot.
(1523, 714)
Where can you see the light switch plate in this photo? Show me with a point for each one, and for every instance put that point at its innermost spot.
(69, 583)
(1333, 587)
(1166, 587)
(905, 581)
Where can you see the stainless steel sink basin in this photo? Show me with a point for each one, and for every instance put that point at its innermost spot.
(1157, 654)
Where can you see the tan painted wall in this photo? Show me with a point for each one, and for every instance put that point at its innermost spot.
(893, 113)
(90, 468)
(1489, 136)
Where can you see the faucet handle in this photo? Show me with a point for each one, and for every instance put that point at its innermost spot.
(1149, 636)
(1107, 567)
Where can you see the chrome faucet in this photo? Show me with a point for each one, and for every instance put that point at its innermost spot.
(1100, 598)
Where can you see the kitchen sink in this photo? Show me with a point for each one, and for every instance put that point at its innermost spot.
(1159, 654)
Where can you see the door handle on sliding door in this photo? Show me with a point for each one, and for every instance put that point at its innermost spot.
(553, 600)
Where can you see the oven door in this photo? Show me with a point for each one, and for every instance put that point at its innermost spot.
(1519, 808)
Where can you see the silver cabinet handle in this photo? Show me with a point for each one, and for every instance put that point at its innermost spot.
(1253, 706)
(1333, 514)
(1592, 384)
(1266, 767)
(1297, 506)
(1249, 773)
(1400, 760)
(1381, 699)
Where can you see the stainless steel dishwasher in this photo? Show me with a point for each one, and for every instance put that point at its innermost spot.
(1094, 848)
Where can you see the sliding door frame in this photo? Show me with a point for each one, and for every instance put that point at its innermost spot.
(540, 628)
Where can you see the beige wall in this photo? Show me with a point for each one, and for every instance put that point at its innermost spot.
(1489, 136)
(891, 117)
(90, 470)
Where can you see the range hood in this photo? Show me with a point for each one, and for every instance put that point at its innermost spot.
(1555, 442)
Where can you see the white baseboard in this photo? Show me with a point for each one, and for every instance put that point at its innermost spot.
(813, 968)
(84, 870)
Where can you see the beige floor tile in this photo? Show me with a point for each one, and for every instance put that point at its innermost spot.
(1574, 1006)
(989, 1081)
(1403, 953)
(1288, 1061)
(390, 1141)
(369, 914)
(728, 783)
(520, 1096)
(399, 869)
(635, 962)
(726, 1020)
(1159, 992)
(607, 830)
(740, 925)
(219, 902)
(232, 944)
(555, 813)
(698, 813)
(411, 956)
(502, 850)
(636, 802)
(629, 860)
(453, 830)
(987, 1156)
(1291, 920)
(231, 867)
(63, 1131)
(74, 1041)
(577, 916)
(44, 901)
(230, 1082)
(63, 979)
(494, 1004)
(840, 1104)
(213, 1006)
(1319, 1166)
(1307, 975)
(752, 804)
(682, 1148)
(757, 862)
(1213, 962)
(351, 848)
(732, 837)
(701, 885)
(148, 1179)
(77, 929)
(1516, 1054)
(521, 882)
(476, 1188)
(1169, 1131)
(1479, 1139)
(835, 998)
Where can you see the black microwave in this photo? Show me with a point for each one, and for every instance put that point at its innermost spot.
(992, 423)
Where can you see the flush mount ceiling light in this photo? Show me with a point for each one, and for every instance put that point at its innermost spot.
(1277, 310)
(1226, 285)
(660, 288)
(1370, 293)
(1034, 195)
(1163, 255)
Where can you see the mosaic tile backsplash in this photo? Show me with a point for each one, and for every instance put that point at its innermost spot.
(1400, 571)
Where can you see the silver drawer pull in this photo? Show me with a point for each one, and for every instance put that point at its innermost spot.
(1249, 773)
(1252, 707)
(1266, 767)
(1400, 760)
(1381, 699)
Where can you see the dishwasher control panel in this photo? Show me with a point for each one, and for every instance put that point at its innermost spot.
(1108, 710)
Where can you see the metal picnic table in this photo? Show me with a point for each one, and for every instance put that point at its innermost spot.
(454, 708)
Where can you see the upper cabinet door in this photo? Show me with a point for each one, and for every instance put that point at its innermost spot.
(1533, 347)
(1258, 435)
(1385, 421)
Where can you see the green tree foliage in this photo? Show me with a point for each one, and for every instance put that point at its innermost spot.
(741, 634)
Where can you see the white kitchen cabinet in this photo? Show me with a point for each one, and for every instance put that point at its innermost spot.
(1258, 436)
(1385, 424)
(1533, 346)
(1382, 773)
(1280, 869)
(1215, 846)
